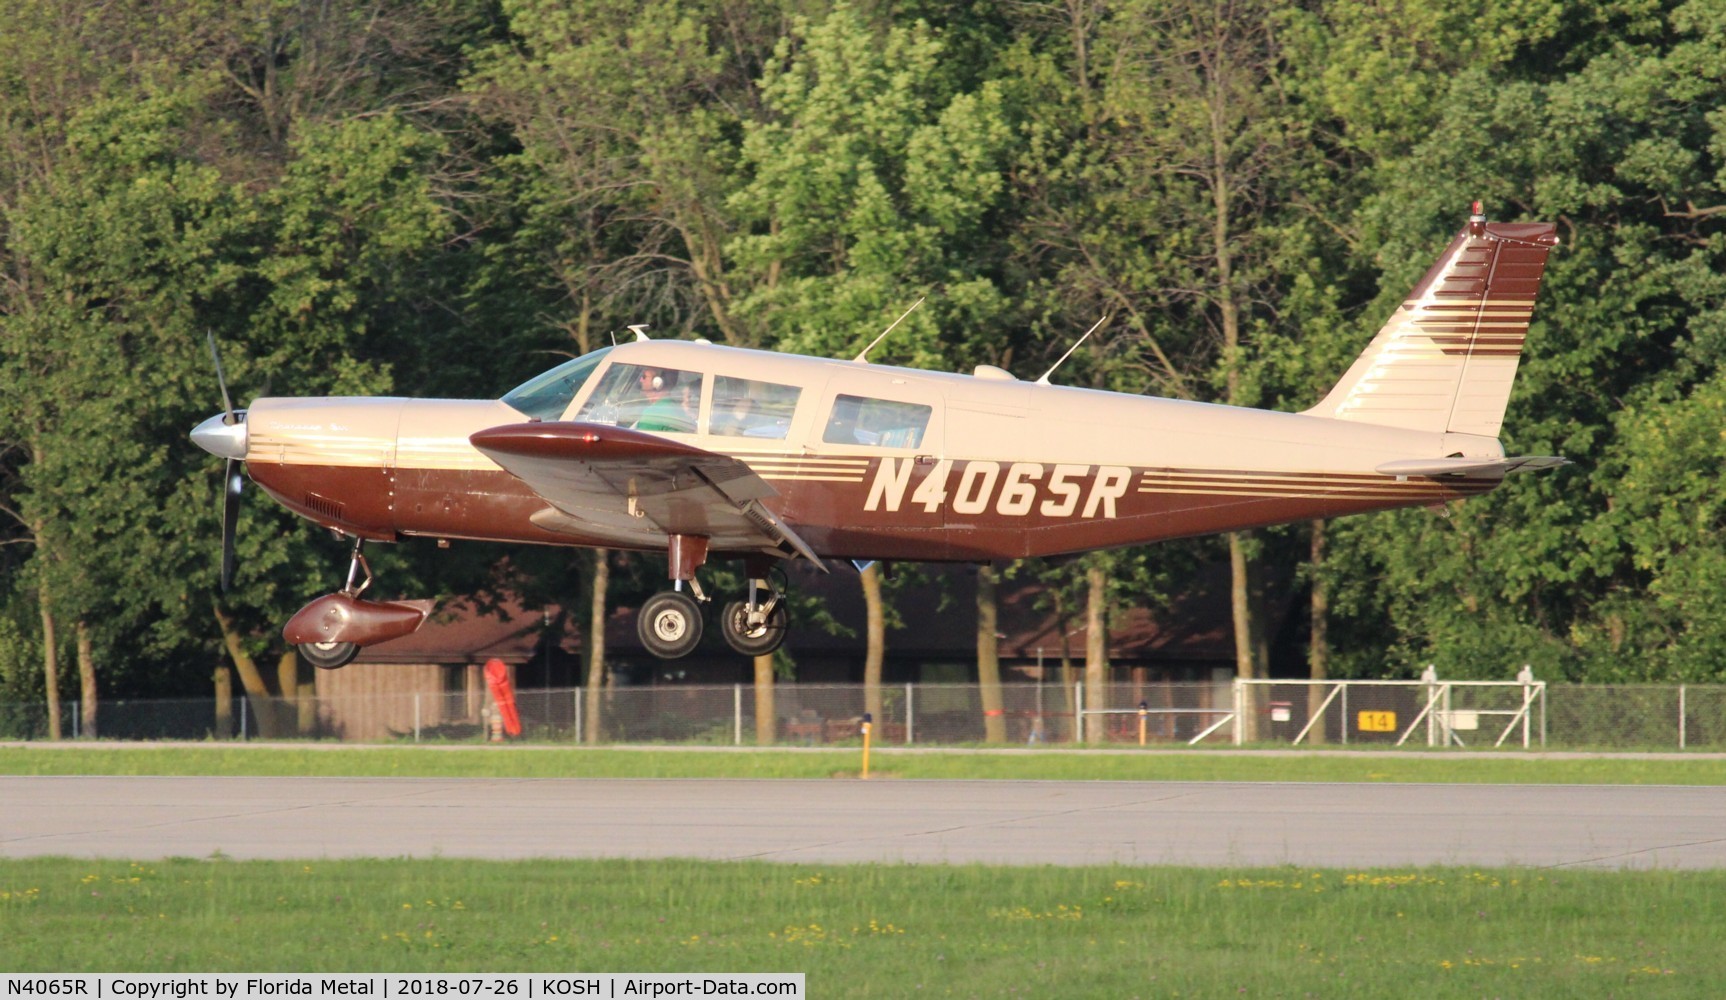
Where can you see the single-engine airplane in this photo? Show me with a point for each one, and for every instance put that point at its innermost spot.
(699, 450)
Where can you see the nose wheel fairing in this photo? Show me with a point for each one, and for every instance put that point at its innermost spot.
(344, 618)
(331, 630)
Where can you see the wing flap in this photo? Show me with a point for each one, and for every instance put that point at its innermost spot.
(636, 487)
(1403, 468)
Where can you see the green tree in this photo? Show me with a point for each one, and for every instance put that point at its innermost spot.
(1616, 136)
(873, 177)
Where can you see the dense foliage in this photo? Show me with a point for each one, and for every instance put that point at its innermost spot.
(352, 195)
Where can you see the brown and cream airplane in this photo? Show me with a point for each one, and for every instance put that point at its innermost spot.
(701, 451)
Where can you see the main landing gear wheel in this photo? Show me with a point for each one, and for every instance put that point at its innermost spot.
(669, 625)
(329, 655)
(759, 641)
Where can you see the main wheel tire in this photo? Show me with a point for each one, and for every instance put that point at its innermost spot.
(329, 655)
(669, 624)
(766, 638)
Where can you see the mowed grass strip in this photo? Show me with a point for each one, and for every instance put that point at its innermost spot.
(889, 931)
(845, 763)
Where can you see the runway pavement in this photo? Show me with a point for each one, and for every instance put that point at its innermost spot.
(992, 822)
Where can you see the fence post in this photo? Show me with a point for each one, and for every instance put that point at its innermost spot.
(1079, 734)
(1680, 716)
(77, 713)
(1526, 676)
(416, 716)
(737, 714)
(1428, 678)
(578, 697)
(1240, 692)
(910, 715)
(243, 702)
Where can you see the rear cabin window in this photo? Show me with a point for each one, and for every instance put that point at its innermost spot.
(881, 423)
(746, 408)
(647, 398)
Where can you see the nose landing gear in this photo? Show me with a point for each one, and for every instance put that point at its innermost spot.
(330, 631)
(331, 654)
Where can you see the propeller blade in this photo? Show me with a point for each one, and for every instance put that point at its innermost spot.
(231, 483)
(221, 379)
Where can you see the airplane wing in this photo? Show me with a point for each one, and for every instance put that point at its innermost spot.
(1469, 466)
(636, 488)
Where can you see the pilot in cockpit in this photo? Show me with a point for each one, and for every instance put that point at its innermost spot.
(665, 404)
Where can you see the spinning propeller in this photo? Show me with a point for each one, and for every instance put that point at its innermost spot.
(224, 435)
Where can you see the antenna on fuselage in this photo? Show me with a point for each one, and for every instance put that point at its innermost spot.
(1045, 379)
(640, 330)
(863, 355)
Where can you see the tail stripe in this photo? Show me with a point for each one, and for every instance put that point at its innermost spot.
(1447, 357)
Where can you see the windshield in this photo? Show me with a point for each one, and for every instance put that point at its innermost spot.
(546, 396)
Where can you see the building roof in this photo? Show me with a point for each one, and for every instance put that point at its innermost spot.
(938, 616)
(940, 620)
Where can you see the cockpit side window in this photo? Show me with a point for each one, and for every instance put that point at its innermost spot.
(881, 423)
(746, 408)
(647, 398)
(547, 395)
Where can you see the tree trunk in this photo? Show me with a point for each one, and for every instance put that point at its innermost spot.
(87, 699)
(1228, 307)
(989, 659)
(766, 722)
(875, 646)
(307, 702)
(596, 673)
(257, 692)
(288, 682)
(1096, 652)
(224, 679)
(1065, 678)
(50, 661)
(1246, 647)
(1319, 653)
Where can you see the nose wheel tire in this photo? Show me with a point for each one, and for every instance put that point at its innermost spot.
(763, 639)
(669, 625)
(329, 655)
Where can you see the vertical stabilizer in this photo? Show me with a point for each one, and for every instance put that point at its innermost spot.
(1446, 359)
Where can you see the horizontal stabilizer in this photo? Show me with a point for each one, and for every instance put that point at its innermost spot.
(1469, 466)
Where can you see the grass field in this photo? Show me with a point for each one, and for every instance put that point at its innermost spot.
(890, 931)
(1054, 765)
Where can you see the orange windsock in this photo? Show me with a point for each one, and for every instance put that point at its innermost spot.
(497, 678)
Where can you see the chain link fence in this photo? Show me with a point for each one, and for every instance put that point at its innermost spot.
(1427, 713)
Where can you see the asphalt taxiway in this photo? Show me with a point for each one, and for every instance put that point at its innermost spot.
(990, 822)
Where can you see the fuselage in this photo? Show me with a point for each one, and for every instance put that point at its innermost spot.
(868, 461)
